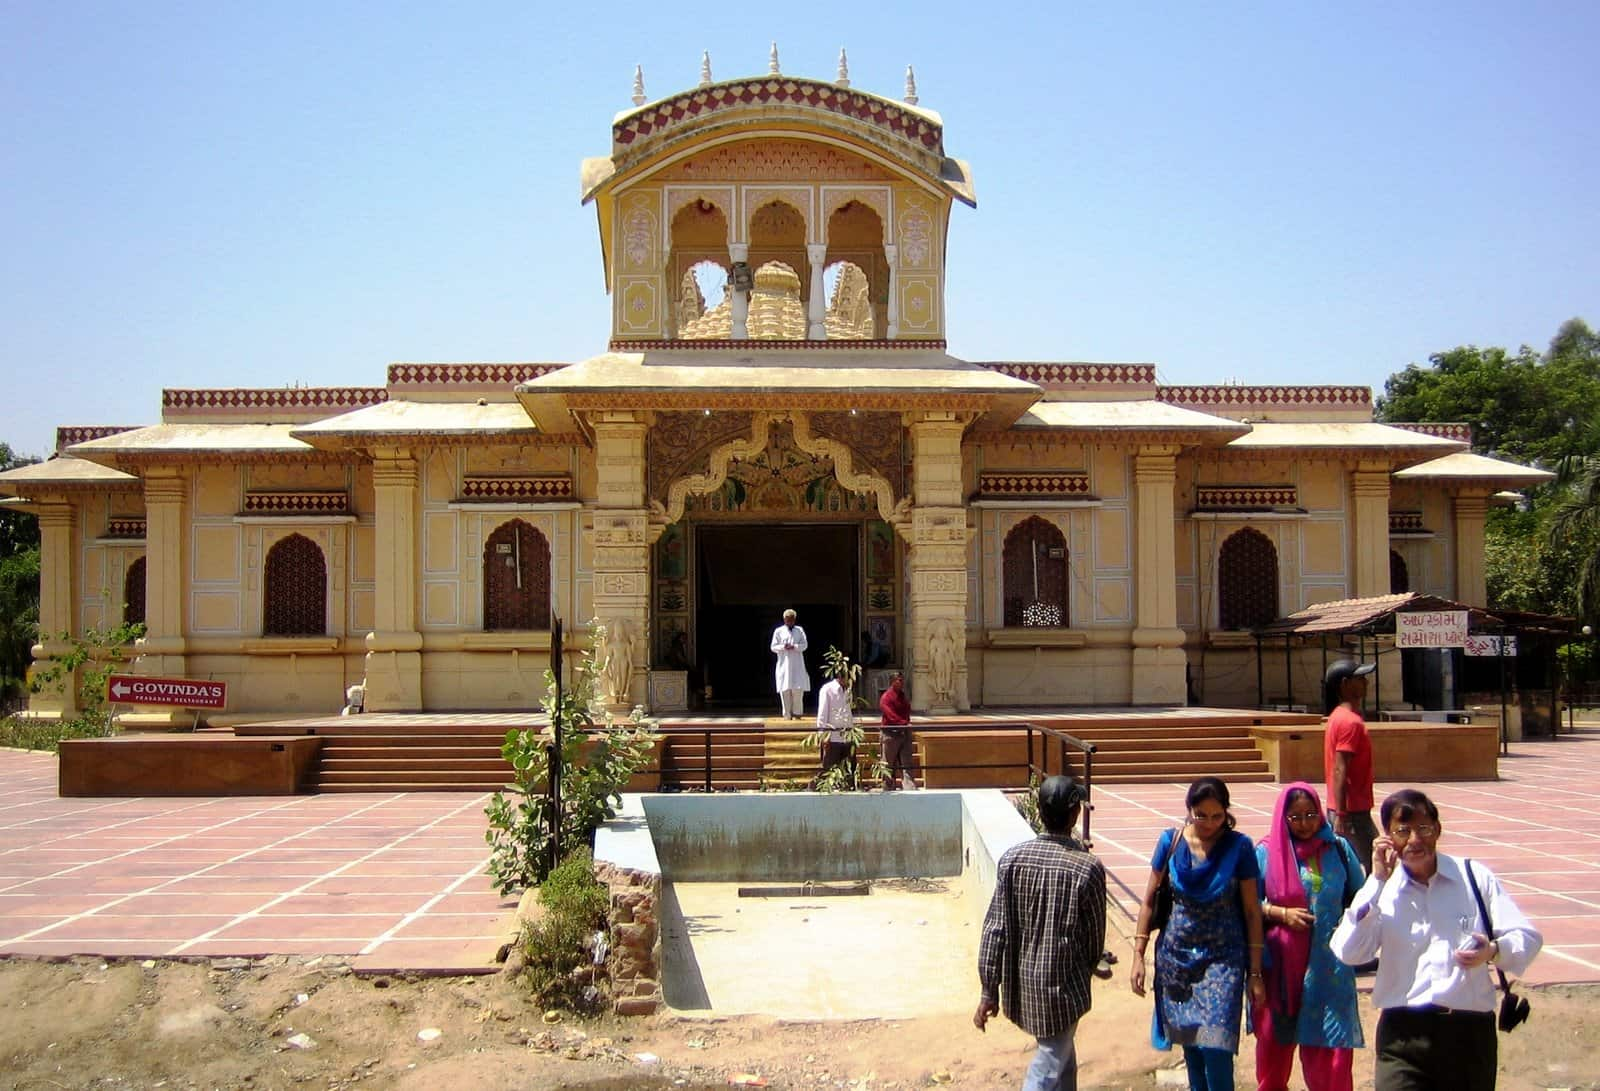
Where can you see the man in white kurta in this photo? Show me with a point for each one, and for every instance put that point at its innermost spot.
(789, 645)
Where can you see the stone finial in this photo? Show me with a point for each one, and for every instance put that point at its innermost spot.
(844, 69)
(911, 86)
(638, 85)
(772, 61)
(705, 68)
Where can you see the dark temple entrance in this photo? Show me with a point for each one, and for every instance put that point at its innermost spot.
(746, 576)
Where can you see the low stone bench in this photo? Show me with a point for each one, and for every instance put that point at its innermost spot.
(186, 765)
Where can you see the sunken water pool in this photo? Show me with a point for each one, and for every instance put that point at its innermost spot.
(802, 905)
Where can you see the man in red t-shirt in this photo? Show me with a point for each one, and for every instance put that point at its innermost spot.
(895, 735)
(1347, 756)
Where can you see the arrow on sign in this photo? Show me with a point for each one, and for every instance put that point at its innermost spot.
(119, 690)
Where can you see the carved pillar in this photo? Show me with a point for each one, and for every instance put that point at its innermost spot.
(739, 256)
(621, 553)
(58, 550)
(1158, 659)
(166, 572)
(816, 254)
(890, 255)
(1470, 585)
(1369, 487)
(938, 566)
(394, 647)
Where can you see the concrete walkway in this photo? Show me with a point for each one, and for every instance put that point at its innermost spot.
(1538, 827)
(396, 880)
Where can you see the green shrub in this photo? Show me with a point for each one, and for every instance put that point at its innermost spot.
(558, 948)
(591, 782)
(26, 734)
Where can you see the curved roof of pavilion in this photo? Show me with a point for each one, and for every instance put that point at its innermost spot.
(702, 375)
(899, 135)
(1466, 468)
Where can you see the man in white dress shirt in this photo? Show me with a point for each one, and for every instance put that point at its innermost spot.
(789, 645)
(1435, 987)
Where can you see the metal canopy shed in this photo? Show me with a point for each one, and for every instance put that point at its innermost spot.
(1375, 617)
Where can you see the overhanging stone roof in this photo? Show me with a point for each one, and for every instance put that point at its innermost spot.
(1464, 467)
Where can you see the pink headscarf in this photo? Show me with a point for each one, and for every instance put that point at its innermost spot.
(1288, 951)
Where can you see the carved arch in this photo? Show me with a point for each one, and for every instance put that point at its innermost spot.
(844, 471)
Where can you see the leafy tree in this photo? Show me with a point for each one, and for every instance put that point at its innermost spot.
(19, 586)
(1572, 524)
(1528, 407)
(19, 617)
(19, 531)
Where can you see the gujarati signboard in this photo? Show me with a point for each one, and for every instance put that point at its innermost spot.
(1490, 645)
(1430, 629)
(134, 689)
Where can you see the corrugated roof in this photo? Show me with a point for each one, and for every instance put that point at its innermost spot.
(1358, 615)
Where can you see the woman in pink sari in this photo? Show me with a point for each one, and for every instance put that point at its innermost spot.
(1309, 874)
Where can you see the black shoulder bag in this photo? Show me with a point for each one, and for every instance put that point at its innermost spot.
(1513, 1008)
(1163, 907)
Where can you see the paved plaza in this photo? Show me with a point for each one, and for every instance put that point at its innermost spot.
(396, 880)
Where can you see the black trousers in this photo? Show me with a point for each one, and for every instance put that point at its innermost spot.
(1427, 1049)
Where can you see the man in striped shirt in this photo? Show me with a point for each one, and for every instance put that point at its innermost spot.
(1043, 936)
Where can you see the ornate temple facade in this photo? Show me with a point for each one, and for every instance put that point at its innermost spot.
(775, 421)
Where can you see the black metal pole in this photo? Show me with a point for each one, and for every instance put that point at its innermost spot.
(1261, 687)
(555, 747)
(1288, 670)
(1505, 734)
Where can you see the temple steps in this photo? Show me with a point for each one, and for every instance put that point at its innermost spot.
(391, 752)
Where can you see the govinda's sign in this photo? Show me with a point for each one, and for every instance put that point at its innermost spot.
(134, 689)
(1430, 629)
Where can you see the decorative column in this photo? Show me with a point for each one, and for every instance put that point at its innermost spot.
(1369, 487)
(739, 255)
(166, 572)
(817, 254)
(892, 320)
(938, 566)
(621, 556)
(58, 521)
(394, 647)
(1158, 658)
(1470, 585)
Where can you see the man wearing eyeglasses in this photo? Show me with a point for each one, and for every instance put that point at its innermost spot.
(1436, 1027)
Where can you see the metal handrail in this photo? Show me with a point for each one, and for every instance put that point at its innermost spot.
(1051, 743)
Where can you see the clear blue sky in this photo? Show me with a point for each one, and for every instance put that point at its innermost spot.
(210, 194)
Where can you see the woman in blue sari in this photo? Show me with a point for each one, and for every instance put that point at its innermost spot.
(1311, 874)
(1211, 945)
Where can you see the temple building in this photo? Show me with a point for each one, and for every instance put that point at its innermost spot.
(775, 421)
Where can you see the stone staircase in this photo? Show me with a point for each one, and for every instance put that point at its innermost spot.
(1147, 754)
(381, 757)
(442, 753)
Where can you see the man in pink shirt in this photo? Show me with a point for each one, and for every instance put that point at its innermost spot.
(1347, 756)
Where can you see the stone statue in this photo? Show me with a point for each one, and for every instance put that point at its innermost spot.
(616, 650)
(944, 652)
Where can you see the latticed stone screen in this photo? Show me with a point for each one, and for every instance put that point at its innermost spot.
(296, 598)
(1399, 575)
(516, 578)
(133, 594)
(1247, 580)
(1035, 575)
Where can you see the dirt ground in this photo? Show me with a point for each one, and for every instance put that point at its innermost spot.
(90, 1023)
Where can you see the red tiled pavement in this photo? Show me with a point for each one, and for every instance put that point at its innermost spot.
(397, 879)
(394, 880)
(1535, 827)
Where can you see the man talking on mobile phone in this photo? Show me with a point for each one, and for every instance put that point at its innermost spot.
(1434, 989)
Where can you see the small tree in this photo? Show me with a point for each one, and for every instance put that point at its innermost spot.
(597, 760)
(90, 658)
(844, 777)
